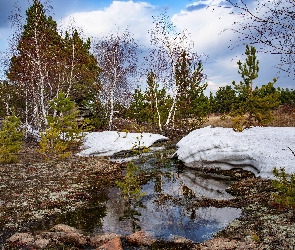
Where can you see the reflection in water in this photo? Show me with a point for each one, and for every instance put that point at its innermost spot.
(164, 211)
(168, 219)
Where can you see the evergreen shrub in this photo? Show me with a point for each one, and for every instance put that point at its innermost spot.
(285, 185)
(64, 132)
(11, 138)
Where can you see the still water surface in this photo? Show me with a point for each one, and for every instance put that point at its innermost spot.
(165, 211)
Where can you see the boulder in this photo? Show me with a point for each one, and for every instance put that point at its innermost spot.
(114, 244)
(65, 234)
(180, 239)
(21, 238)
(100, 239)
(41, 243)
(141, 238)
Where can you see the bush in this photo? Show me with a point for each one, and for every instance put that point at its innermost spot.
(285, 185)
(64, 131)
(10, 139)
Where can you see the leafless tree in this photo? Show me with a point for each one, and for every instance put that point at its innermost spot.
(117, 57)
(270, 25)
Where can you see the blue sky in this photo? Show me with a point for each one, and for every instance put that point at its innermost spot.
(205, 25)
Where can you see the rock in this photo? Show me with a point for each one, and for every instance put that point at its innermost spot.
(180, 239)
(41, 243)
(227, 244)
(114, 244)
(64, 228)
(99, 239)
(141, 238)
(22, 238)
(66, 234)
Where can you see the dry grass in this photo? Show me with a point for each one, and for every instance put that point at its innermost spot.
(218, 121)
(284, 117)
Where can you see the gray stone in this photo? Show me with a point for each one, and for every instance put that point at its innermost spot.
(23, 238)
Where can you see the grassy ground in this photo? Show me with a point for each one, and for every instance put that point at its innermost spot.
(283, 117)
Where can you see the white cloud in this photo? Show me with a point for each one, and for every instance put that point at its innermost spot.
(206, 26)
(138, 16)
(202, 19)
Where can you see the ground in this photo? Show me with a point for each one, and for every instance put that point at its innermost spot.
(34, 189)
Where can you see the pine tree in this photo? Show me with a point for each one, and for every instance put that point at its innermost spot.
(64, 132)
(10, 139)
(81, 72)
(33, 67)
(150, 105)
(225, 100)
(46, 63)
(191, 102)
(254, 105)
(138, 108)
(287, 96)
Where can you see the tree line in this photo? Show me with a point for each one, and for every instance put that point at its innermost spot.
(100, 77)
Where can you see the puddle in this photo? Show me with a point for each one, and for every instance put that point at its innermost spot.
(165, 210)
(174, 216)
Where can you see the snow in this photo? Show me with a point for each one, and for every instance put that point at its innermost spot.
(258, 149)
(107, 143)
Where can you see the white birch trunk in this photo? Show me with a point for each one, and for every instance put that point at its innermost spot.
(71, 74)
(157, 109)
(111, 108)
(173, 107)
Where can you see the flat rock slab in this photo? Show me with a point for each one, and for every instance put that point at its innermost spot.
(99, 239)
(114, 244)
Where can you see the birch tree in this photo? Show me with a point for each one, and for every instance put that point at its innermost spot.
(32, 65)
(167, 46)
(116, 55)
(45, 63)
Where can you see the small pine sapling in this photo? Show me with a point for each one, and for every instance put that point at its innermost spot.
(285, 185)
(64, 132)
(10, 139)
(254, 105)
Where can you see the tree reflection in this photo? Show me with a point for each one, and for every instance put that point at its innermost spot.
(131, 190)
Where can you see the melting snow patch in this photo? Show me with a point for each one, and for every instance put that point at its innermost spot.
(108, 143)
(257, 149)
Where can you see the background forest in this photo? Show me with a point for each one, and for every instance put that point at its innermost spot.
(111, 83)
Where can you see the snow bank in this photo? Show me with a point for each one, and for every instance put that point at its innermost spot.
(109, 142)
(257, 149)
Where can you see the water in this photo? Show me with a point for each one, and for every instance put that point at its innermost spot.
(166, 210)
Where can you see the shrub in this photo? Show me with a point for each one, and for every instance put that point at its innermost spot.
(64, 131)
(10, 139)
(285, 185)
